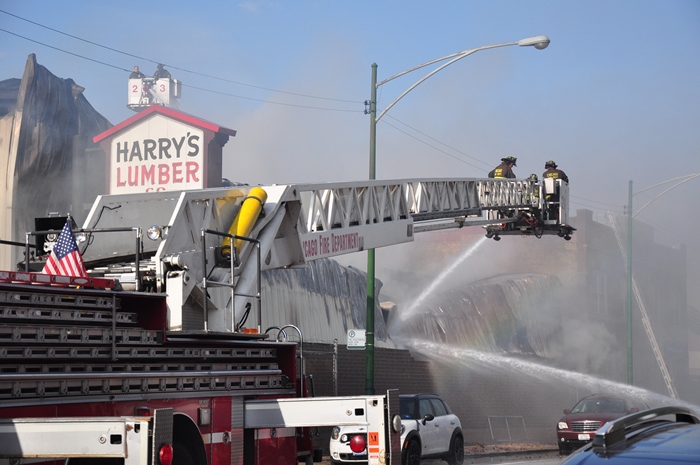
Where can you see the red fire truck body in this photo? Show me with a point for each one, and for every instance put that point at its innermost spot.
(61, 361)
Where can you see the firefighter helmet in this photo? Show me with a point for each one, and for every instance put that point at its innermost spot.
(550, 163)
(533, 176)
(510, 160)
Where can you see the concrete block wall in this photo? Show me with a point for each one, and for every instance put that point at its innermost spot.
(335, 370)
(393, 369)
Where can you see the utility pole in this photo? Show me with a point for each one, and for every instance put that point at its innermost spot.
(630, 379)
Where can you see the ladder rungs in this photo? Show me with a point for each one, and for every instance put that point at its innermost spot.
(28, 385)
(64, 314)
(72, 335)
(59, 353)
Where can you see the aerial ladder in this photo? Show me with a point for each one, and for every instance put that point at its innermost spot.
(210, 245)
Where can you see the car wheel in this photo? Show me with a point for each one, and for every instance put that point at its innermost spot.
(412, 455)
(456, 454)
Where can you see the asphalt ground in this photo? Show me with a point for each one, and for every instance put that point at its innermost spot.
(474, 452)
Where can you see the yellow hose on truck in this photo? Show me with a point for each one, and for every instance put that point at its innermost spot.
(245, 220)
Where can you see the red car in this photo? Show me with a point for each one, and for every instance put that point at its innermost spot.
(578, 425)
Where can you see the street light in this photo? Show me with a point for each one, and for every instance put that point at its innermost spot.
(630, 217)
(539, 42)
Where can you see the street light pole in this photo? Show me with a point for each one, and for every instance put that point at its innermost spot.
(369, 332)
(630, 218)
(539, 42)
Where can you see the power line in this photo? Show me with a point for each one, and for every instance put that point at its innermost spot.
(669, 233)
(169, 65)
(593, 207)
(72, 36)
(595, 201)
(439, 142)
(269, 101)
(618, 208)
(432, 146)
(64, 51)
(184, 85)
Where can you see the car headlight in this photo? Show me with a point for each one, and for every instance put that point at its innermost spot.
(396, 424)
(562, 425)
(335, 433)
(344, 438)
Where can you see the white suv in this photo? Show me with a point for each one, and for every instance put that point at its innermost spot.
(429, 429)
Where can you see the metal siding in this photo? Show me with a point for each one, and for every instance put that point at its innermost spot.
(324, 300)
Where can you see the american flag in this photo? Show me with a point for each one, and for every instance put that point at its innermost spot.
(65, 258)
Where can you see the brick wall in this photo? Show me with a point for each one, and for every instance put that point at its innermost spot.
(393, 369)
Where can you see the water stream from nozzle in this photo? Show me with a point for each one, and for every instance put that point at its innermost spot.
(441, 277)
(551, 379)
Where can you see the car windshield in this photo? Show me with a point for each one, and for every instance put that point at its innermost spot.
(416, 408)
(600, 405)
(407, 408)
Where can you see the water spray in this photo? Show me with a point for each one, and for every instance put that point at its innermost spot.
(547, 375)
(437, 281)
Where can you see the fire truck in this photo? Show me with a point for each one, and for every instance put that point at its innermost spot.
(163, 354)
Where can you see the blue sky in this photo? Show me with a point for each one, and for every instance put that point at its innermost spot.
(615, 97)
